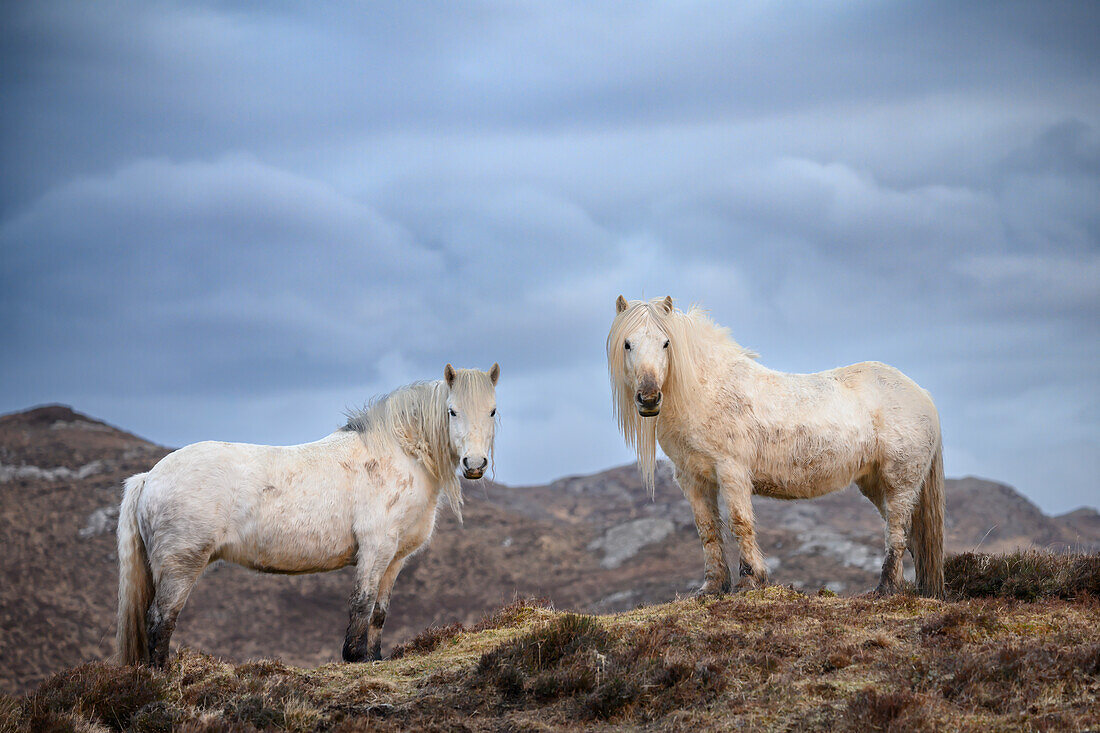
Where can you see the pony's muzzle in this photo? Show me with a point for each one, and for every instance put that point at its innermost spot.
(649, 403)
(474, 469)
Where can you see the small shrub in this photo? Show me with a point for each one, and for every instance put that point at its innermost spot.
(1026, 576)
(45, 720)
(611, 697)
(550, 643)
(108, 695)
(255, 710)
(428, 640)
(213, 692)
(508, 681)
(513, 614)
(156, 717)
(880, 640)
(680, 685)
(837, 660)
(560, 683)
(300, 715)
(871, 710)
(961, 624)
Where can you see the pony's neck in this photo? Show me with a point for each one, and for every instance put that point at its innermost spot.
(712, 353)
(710, 350)
(429, 440)
(420, 427)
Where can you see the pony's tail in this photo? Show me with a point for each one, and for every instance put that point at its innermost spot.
(135, 580)
(927, 531)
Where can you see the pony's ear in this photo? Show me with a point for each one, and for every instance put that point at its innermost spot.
(494, 373)
(449, 375)
(620, 304)
(667, 304)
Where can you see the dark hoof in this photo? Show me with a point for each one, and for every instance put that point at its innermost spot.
(356, 655)
(359, 654)
(712, 589)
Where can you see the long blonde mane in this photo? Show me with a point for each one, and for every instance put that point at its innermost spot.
(416, 416)
(690, 334)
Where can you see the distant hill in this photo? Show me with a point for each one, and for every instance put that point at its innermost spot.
(595, 543)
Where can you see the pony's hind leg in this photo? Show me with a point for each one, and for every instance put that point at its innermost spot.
(737, 489)
(381, 607)
(174, 582)
(703, 497)
(898, 500)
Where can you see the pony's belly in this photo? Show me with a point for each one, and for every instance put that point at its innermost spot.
(801, 485)
(291, 557)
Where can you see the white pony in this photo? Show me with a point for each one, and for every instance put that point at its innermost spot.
(365, 495)
(734, 428)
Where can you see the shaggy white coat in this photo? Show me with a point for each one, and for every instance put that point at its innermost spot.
(366, 495)
(734, 428)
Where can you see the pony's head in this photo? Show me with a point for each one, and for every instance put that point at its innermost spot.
(471, 411)
(639, 350)
(648, 360)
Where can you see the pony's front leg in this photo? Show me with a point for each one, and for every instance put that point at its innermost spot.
(736, 487)
(703, 497)
(372, 562)
(381, 607)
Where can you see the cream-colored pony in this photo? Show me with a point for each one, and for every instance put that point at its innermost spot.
(734, 428)
(365, 495)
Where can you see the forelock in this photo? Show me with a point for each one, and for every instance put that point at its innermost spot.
(472, 385)
(638, 314)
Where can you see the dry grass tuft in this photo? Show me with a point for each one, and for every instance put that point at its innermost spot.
(108, 696)
(1027, 576)
(605, 672)
(428, 640)
(961, 624)
(895, 711)
(516, 613)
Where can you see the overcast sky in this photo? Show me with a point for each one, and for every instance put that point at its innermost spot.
(218, 222)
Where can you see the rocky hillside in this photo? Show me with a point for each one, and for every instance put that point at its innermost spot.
(589, 543)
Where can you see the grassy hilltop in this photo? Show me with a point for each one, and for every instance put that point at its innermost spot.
(1018, 647)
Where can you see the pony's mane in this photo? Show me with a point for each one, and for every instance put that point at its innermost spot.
(416, 416)
(689, 335)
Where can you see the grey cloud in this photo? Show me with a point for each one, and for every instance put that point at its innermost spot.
(217, 220)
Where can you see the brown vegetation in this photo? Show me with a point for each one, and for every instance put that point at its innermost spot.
(1027, 575)
(769, 659)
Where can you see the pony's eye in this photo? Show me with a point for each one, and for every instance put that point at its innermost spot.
(493, 413)
(666, 344)
(626, 345)
(452, 411)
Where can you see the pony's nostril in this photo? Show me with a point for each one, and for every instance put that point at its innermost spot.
(466, 462)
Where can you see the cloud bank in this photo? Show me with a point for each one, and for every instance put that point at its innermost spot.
(224, 222)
